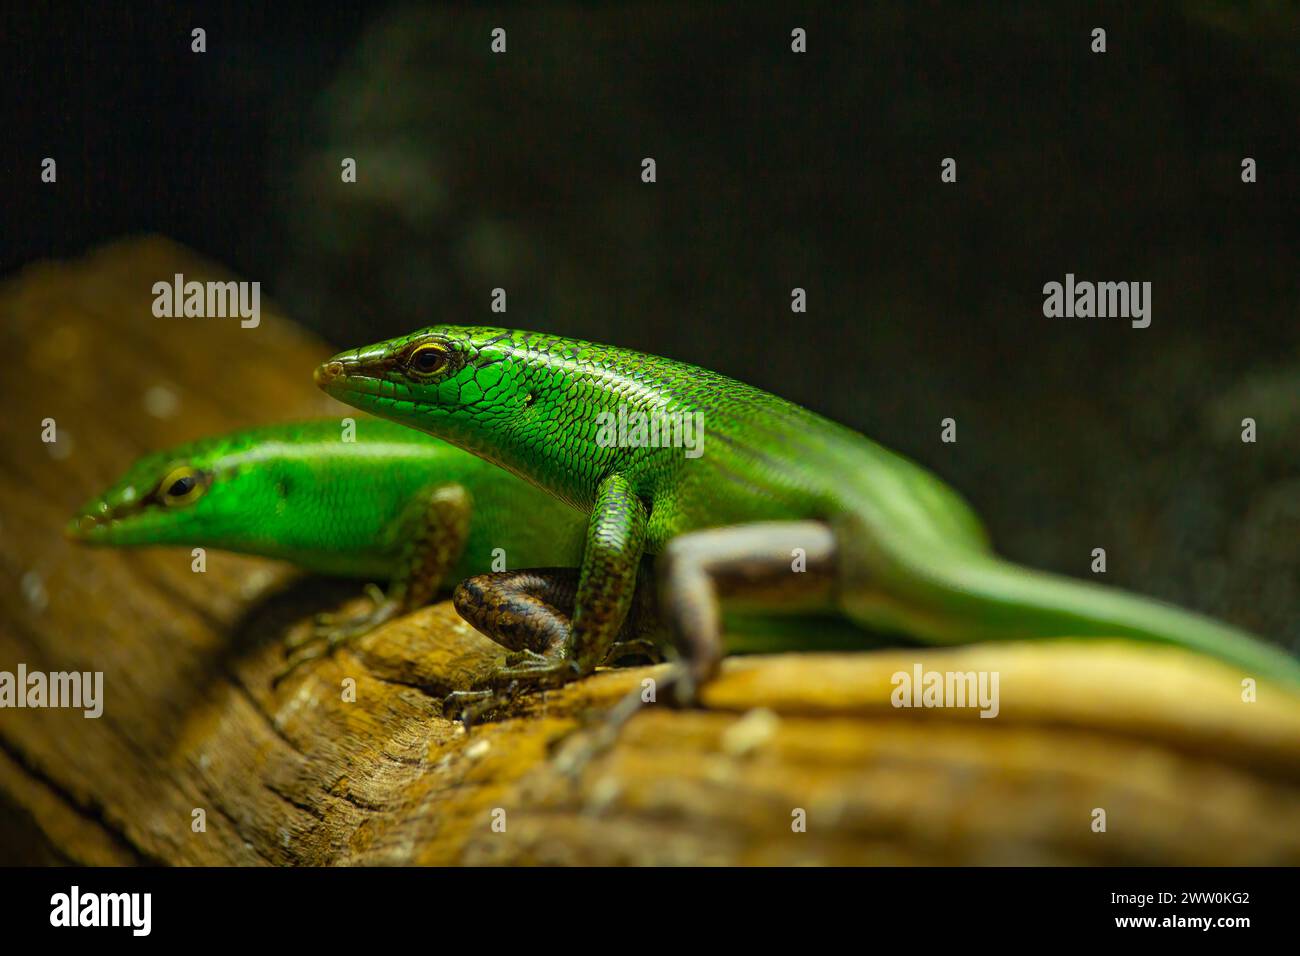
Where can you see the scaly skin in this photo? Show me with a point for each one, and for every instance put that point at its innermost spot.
(298, 492)
(902, 550)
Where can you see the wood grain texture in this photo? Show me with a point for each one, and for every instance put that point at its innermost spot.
(1186, 771)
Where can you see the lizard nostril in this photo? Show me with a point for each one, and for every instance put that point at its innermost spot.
(328, 372)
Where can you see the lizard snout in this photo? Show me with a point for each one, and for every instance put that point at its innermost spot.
(327, 372)
(352, 372)
(81, 527)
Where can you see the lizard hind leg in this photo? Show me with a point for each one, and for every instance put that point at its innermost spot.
(781, 565)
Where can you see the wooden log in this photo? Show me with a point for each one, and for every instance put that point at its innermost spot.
(1185, 770)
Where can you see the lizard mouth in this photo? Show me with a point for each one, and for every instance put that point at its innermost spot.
(352, 374)
(340, 384)
(102, 519)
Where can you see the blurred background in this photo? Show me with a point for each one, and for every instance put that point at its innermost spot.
(775, 170)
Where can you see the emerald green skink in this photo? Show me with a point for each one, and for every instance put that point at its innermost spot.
(392, 505)
(776, 507)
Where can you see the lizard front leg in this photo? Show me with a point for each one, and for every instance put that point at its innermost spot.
(615, 542)
(433, 530)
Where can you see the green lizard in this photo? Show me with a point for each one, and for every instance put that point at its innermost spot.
(393, 505)
(783, 509)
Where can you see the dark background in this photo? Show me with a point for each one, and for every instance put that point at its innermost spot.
(775, 170)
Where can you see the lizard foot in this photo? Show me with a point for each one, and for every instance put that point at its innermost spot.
(470, 706)
(523, 670)
(516, 658)
(540, 671)
(331, 631)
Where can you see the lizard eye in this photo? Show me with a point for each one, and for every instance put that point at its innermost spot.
(426, 360)
(181, 486)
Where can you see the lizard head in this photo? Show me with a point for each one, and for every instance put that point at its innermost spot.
(187, 495)
(526, 401)
(446, 379)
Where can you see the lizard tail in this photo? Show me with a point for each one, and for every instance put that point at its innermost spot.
(960, 599)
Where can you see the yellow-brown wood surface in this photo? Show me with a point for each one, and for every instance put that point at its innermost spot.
(1185, 770)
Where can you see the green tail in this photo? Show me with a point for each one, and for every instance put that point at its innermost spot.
(962, 599)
